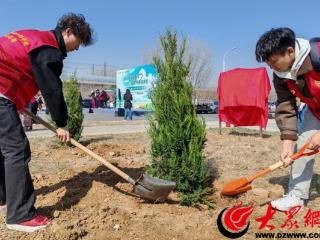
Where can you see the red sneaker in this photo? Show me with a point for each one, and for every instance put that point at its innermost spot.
(36, 223)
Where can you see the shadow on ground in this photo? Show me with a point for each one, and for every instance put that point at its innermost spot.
(314, 188)
(79, 185)
(249, 134)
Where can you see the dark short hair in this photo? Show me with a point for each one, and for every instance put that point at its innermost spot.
(275, 41)
(79, 27)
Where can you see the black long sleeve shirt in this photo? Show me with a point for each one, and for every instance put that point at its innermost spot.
(47, 64)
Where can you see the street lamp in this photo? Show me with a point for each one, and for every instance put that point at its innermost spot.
(223, 70)
(224, 58)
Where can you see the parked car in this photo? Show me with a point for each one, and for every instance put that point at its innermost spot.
(214, 107)
(272, 106)
(272, 109)
(203, 108)
(86, 103)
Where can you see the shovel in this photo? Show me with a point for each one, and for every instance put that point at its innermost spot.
(242, 185)
(145, 186)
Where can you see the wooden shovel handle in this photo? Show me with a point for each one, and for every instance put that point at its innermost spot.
(83, 148)
(279, 164)
(295, 156)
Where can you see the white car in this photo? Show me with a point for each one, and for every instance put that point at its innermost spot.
(214, 107)
(272, 107)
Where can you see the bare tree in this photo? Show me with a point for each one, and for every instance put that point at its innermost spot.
(149, 53)
(201, 69)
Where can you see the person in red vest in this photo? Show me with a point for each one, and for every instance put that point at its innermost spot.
(296, 69)
(31, 60)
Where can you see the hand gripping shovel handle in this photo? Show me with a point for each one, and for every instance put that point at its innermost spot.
(300, 153)
(83, 148)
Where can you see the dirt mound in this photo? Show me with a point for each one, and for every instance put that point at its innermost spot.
(88, 201)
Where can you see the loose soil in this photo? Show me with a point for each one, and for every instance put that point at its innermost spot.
(88, 201)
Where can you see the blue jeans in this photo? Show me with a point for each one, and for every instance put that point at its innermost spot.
(127, 113)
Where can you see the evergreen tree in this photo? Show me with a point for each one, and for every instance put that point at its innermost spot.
(177, 134)
(73, 98)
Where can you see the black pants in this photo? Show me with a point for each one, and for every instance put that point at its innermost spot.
(16, 187)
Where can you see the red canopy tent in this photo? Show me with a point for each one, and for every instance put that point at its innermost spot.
(243, 97)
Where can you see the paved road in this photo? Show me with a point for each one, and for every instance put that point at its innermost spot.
(104, 121)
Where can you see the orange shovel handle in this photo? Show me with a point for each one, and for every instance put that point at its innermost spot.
(300, 153)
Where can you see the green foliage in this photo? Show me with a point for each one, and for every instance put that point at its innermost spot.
(177, 134)
(72, 95)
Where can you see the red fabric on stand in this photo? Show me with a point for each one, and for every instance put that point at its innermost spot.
(243, 97)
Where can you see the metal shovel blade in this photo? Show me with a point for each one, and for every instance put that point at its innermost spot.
(153, 188)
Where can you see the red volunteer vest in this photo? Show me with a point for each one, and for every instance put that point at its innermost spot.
(313, 83)
(16, 78)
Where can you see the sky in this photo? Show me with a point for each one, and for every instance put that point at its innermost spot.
(123, 29)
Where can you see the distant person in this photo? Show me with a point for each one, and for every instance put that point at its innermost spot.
(40, 102)
(296, 70)
(26, 121)
(127, 97)
(119, 98)
(93, 99)
(31, 60)
(34, 107)
(98, 98)
(104, 98)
